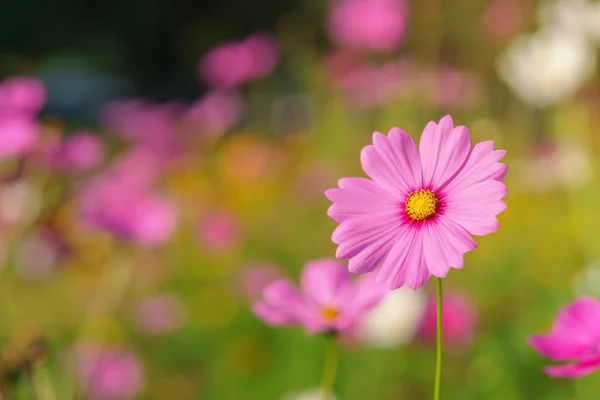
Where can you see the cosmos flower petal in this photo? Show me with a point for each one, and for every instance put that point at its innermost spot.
(367, 293)
(475, 208)
(324, 280)
(393, 162)
(443, 149)
(358, 196)
(272, 315)
(572, 370)
(370, 257)
(444, 245)
(558, 348)
(405, 263)
(355, 235)
(281, 302)
(482, 165)
(579, 321)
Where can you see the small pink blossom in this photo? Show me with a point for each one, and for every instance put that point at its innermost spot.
(253, 279)
(108, 373)
(415, 216)
(459, 316)
(215, 112)
(22, 95)
(328, 300)
(218, 231)
(574, 338)
(159, 314)
(80, 152)
(235, 63)
(377, 25)
(504, 18)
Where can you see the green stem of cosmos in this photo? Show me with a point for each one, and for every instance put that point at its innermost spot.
(330, 368)
(438, 366)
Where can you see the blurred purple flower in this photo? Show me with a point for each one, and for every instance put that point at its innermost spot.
(218, 231)
(80, 152)
(573, 338)
(377, 25)
(214, 113)
(328, 301)
(108, 373)
(123, 205)
(253, 279)
(235, 63)
(159, 314)
(459, 317)
(20, 101)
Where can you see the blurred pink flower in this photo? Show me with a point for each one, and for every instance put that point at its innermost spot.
(108, 373)
(113, 202)
(138, 167)
(20, 101)
(235, 63)
(80, 152)
(328, 301)
(504, 18)
(459, 317)
(159, 314)
(22, 95)
(377, 25)
(253, 279)
(573, 338)
(215, 112)
(447, 87)
(146, 124)
(415, 216)
(218, 231)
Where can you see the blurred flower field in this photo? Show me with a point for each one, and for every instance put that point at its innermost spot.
(136, 244)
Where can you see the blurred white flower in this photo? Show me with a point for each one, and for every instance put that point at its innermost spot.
(313, 394)
(587, 281)
(548, 66)
(394, 321)
(581, 17)
(562, 164)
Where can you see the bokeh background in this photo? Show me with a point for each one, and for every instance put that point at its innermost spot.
(161, 161)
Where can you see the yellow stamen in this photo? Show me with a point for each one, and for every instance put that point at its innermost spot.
(329, 313)
(421, 204)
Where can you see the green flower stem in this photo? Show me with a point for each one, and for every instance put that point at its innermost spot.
(330, 368)
(438, 366)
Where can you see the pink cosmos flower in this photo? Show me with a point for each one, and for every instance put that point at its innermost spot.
(219, 231)
(115, 203)
(235, 63)
(416, 214)
(328, 301)
(214, 113)
(377, 25)
(575, 336)
(159, 314)
(459, 316)
(108, 373)
(80, 152)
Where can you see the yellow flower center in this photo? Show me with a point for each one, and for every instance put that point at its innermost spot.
(329, 313)
(421, 204)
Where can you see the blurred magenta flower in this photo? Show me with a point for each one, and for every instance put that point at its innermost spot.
(22, 95)
(21, 99)
(376, 25)
(159, 314)
(416, 214)
(253, 279)
(459, 316)
(108, 373)
(504, 18)
(80, 152)
(214, 113)
(328, 301)
(111, 202)
(235, 63)
(218, 231)
(574, 337)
